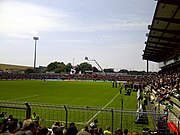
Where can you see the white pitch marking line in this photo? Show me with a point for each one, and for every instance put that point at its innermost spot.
(23, 97)
(101, 109)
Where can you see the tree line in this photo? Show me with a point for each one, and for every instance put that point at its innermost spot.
(60, 67)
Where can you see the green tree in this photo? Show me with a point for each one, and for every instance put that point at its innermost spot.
(68, 67)
(57, 67)
(52, 66)
(77, 68)
(133, 72)
(123, 71)
(85, 66)
(60, 70)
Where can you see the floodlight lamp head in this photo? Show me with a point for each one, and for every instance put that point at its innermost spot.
(35, 38)
(86, 58)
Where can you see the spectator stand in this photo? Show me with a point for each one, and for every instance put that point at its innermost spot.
(172, 112)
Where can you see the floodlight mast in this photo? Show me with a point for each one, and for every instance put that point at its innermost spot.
(35, 39)
(86, 58)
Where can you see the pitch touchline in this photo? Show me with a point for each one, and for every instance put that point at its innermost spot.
(101, 109)
(24, 97)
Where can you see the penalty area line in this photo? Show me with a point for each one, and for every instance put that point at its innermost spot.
(101, 109)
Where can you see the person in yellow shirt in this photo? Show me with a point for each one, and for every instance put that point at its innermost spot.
(107, 131)
(35, 117)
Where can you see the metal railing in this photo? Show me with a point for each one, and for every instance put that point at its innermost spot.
(82, 116)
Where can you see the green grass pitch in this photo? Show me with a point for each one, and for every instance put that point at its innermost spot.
(73, 93)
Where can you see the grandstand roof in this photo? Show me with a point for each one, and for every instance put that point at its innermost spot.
(163, 42)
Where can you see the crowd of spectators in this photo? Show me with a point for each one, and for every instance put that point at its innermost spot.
(165, 94)
(57, 76)
(166, 86)
(10, 126)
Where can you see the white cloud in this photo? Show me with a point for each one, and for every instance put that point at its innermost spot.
(70, 41)
(18, 19)
(22, 18)
(111, 24)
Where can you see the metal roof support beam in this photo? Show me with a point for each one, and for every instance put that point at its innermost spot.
(157, 49)
(172, 2)
(162, 45)
(152, 59)
(173, 39)
(177, 32)
(150, 50)
(172, 20)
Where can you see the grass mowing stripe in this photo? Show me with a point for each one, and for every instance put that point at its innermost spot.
(101, 109)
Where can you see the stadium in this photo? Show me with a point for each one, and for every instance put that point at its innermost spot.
(142, 104)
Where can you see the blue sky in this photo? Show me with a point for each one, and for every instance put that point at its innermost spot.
(110, 31)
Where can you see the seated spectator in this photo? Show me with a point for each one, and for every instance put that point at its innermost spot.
(91, 131)
(10, 118)
(96, 132)
(58, 131)
(85, 129)
(41, 131)
(83, 133)
(133, 133)
(118, 132)
(58, 124)
(29, 128)
(125, 131)
(53, 130)
(101, 131)
(1, 126)
(12, 128)
(107, 131)
(72, 130)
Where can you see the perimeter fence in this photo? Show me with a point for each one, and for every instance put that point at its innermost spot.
(83, 116)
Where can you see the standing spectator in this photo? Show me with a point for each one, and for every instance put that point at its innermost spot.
(85, 129)
(96, 131)
(12, 128)
(35, 117)
(101, 131)
(94, 124)
(125, 131)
